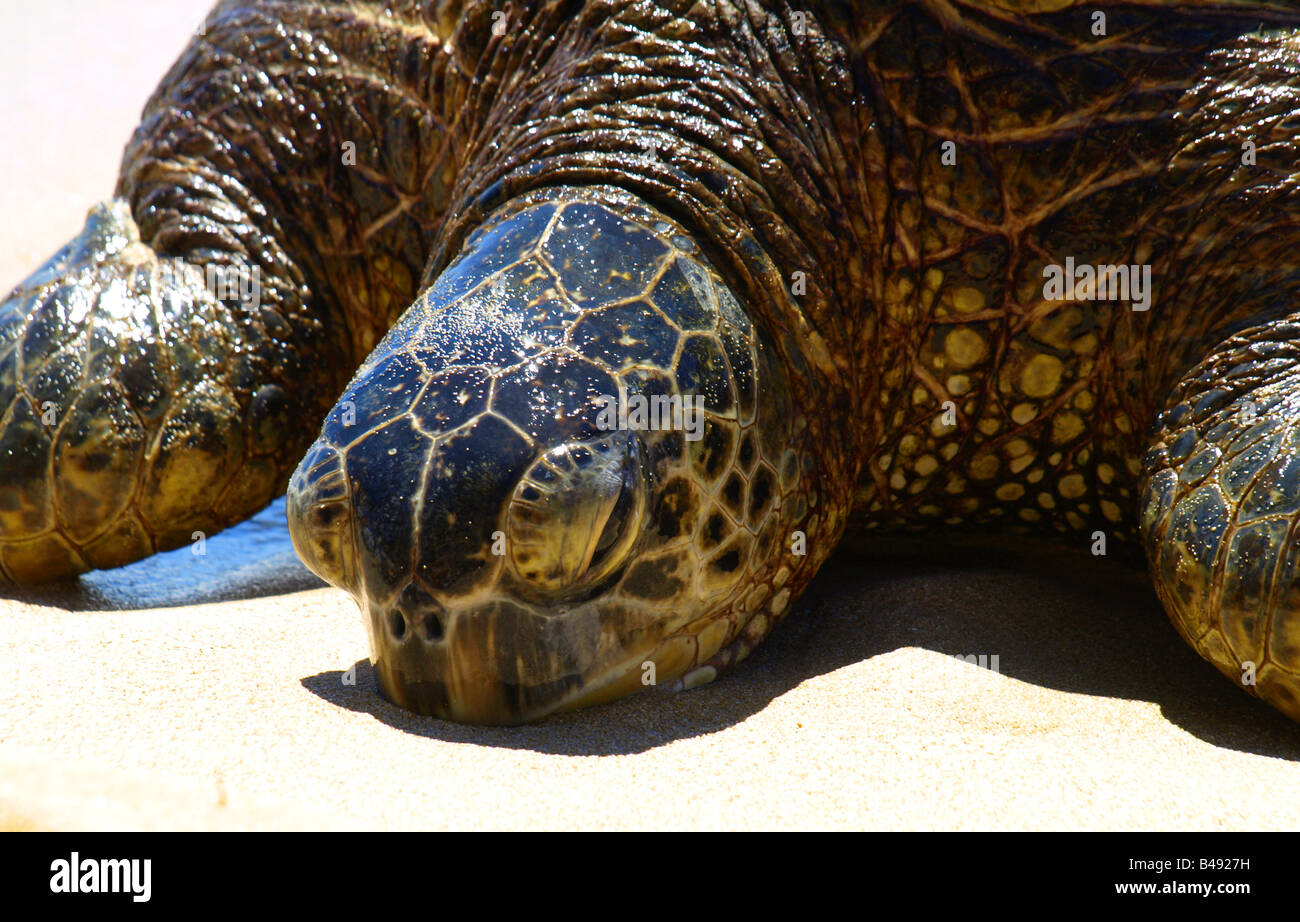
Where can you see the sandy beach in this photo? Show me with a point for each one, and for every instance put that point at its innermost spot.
(233, 690)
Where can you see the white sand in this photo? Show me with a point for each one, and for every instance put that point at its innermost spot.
(231, 714)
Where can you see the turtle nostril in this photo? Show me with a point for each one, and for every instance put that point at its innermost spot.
(421, 610)
(397, 623)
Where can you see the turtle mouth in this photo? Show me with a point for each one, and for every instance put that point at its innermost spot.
(502, 703)
(500, 661)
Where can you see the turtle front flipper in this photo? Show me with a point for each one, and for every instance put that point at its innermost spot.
(144, 402)
(1220, 512)
(573, 468)
(161, 376)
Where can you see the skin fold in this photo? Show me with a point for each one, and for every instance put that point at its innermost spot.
(439, 239)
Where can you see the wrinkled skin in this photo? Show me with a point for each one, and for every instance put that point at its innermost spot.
(829, 224)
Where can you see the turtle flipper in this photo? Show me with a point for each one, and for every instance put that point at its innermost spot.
(163, 373)
(1220, 513)
(143, 401)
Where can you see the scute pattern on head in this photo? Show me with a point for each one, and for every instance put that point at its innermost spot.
(443, 438)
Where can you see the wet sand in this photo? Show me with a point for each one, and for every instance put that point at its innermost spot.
(209, 692)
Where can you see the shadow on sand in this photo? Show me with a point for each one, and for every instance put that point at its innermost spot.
(1074, 624)
(251, 560)
(1081, 627)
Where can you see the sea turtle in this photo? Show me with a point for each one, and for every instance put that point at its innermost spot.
(652, 300)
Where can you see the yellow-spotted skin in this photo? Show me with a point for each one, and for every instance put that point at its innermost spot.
(1019, 266)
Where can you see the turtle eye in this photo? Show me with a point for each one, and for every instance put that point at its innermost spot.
(617, 524)
(575, 514)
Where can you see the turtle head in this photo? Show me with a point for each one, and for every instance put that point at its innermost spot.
(553, 483)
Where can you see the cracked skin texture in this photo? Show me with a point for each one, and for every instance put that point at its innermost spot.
(829, 223)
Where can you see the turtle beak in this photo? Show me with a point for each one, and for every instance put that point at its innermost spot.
(499, 662)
